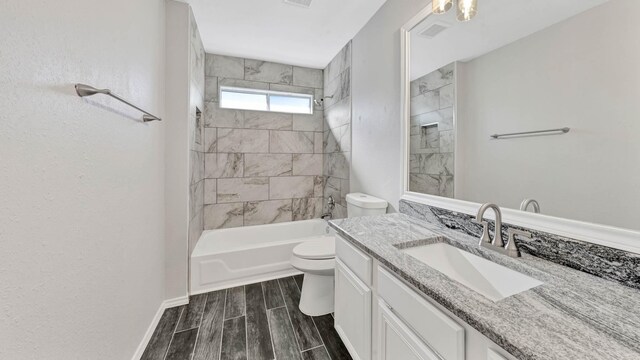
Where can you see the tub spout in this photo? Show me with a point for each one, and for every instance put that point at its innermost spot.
(331, 204)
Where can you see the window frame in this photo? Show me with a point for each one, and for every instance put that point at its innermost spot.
(268, 94)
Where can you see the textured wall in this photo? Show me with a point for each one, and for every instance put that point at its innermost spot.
(431, 143)
(81, 180)
(377, 119)
(337, 135)
(261, 167)
(196, 130)
(184, 164)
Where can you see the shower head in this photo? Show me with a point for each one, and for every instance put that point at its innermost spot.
(320, 102)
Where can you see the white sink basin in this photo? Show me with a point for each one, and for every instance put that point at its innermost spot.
(494, 281)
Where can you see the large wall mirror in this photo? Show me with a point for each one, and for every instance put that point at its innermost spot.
(532, 105)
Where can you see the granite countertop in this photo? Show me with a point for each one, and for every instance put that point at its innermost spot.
(573, 315)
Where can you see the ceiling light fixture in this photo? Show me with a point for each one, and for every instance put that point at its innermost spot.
(441, 6)
(466, 9)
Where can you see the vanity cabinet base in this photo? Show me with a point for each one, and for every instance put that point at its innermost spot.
(379, 316)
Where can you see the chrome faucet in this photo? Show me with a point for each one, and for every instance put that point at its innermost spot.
(526, 202)
(511, 249)
(486, 238)
(331, 204)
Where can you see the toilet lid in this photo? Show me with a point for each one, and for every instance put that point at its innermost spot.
(318, 248)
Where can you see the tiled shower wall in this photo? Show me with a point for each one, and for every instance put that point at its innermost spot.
(432, 135)
(261, 167)
(196, 155)
(337, 135)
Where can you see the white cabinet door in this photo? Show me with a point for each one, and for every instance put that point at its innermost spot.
(353, 312)
(396, 341)
(440, 332)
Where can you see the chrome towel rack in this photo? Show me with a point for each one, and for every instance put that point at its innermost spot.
(86, 90)
(560, 131)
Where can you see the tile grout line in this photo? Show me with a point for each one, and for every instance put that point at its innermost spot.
(312, 320)
(172, 334)
(246, 325)
(189, 329)
(233, 318)
(264, 300)
(243, 78)
(315, 347)
(327, 351)
(295, 336)
(195, 343)
(322, 346)
(321, 339)
(224, 309)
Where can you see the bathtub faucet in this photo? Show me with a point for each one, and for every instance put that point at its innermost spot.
(331, 204)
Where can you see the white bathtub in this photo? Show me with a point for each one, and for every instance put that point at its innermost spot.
(239, 256)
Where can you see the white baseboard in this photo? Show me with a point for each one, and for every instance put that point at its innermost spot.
(182, 300)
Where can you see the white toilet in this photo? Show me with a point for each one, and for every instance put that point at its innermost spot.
(316, 258)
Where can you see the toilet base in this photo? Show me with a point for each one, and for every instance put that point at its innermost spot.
(317, 294)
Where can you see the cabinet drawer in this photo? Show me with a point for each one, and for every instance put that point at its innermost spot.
(357, 261)
(438, 330)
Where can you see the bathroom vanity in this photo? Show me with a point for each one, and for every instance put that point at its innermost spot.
(511, 108)
(390, 304)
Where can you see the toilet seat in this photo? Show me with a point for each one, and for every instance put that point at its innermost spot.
(318, 267)
(321, 248)
(315, 256)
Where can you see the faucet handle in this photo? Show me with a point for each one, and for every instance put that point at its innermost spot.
(512, 247)
(485, 237)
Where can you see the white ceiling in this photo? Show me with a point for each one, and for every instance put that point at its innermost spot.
(274, 31)
(498, 23)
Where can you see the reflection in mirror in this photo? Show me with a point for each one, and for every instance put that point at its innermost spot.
(431, 139)
(529, 66)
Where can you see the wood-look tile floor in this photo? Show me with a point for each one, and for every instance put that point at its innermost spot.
(257, 321)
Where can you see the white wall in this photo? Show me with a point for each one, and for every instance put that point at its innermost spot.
(573, 74)
(197, 59)
(376, 167)
(183, 161)
(81, 180)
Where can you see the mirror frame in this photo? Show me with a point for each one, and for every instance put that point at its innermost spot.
(610, 236)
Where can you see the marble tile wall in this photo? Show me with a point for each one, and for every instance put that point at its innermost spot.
(261, 167)
(432, 134)
(196, 136)
(337, 132)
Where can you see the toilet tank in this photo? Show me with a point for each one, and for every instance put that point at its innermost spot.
(359, 204)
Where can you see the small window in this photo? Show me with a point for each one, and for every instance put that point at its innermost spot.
(265, 100)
